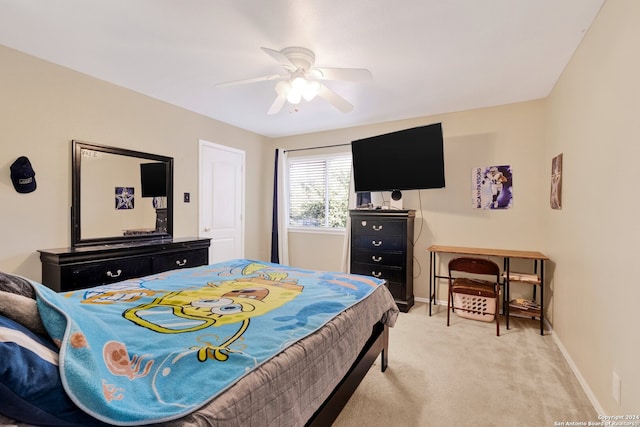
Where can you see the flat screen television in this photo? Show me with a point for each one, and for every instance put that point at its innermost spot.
(411, 159)
(153, 177)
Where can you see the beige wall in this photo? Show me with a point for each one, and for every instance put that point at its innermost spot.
(44, 106)
(511, 134)
(593, 119)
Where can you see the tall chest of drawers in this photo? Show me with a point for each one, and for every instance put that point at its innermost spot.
(382, 246)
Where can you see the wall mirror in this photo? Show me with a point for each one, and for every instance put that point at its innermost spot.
(119, 195)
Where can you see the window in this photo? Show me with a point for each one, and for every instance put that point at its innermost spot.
(319, 191)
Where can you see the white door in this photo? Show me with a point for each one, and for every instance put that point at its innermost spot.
(222, 200)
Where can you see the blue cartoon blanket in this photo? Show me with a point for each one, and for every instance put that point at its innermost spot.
(159, 347)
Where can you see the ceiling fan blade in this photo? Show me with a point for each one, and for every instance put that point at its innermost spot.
(252, 80)
(334, 99)
(345, 74)
(277, 105)
(279, 57)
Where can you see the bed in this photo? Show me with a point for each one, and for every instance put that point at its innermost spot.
(240, 343)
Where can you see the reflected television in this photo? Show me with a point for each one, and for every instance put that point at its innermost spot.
(153, 177)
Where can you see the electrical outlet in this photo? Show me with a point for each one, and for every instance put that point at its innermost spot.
(616, 387)
(187, 197)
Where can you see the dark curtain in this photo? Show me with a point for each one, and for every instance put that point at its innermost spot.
(274, 221)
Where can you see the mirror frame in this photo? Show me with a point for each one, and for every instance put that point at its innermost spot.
(76, 182)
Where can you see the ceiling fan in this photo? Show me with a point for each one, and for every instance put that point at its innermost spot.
(303, 79)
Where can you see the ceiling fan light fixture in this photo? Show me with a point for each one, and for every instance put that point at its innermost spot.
(283, 87)
(311, 90)
(294, 96)
(303, 78)
(298, 88)
(299, 84)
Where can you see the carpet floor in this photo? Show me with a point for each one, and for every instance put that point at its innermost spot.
(463, 375)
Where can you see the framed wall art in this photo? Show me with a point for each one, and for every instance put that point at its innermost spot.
(124, 198)
(556, 182)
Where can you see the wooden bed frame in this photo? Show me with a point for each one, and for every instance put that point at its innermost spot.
(377, 344)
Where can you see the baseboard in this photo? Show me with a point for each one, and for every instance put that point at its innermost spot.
(420, 299)
(426, 301)
(585, 387)
(592, 398)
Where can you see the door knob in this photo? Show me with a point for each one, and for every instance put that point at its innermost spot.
(207, 229)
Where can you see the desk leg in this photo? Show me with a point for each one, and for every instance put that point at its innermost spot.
(432, 273)
(535, 271)
(541, 297)
(506, 289)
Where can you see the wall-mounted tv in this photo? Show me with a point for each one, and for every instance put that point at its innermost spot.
(153, 177)
(410, 159)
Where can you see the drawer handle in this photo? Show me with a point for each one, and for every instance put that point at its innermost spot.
(118, 273)
(376, 258)
(378, 243)
(376, 227)
(181, 263)
(376, 275)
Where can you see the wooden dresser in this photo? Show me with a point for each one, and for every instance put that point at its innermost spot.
(382, 246)
(67, 269)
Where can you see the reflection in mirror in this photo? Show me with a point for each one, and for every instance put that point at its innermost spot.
(119, 195)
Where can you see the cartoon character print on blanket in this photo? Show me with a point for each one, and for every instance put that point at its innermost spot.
(153, 332)
(217, 304)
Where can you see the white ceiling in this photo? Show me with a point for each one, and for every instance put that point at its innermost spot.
(426, 56)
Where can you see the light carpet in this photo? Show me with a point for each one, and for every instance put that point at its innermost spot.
(463, 375)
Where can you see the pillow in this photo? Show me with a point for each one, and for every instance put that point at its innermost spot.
(30, 386)
(18, 302)
(21, 309)
(16, 285)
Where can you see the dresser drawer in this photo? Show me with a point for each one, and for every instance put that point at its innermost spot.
(378, 257)
(389, 273)
(65, 269)
(93, 274)
(175, 260)
(395, 277)
(382, 243)
(378, 226)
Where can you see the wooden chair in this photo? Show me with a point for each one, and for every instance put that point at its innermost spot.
(474, 289)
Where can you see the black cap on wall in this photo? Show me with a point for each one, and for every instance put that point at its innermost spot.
(23, 176)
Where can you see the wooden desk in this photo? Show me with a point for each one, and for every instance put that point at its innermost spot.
(506, 255)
